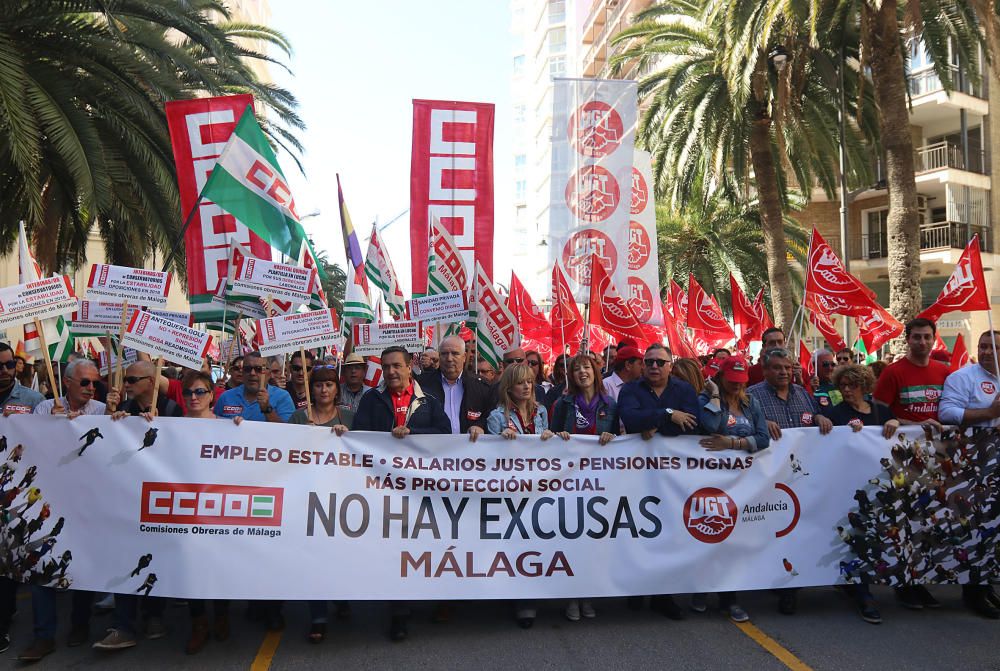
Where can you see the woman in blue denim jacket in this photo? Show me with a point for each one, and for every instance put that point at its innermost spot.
(735, 421)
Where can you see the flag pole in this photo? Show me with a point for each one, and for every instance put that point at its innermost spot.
(989, 317)
(48, 364)
(180, 236)
(305, 376)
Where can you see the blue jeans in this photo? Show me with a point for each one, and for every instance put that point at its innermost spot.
(43, 610)
(127, 608)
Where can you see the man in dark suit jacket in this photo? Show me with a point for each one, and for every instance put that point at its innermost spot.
(465, 397)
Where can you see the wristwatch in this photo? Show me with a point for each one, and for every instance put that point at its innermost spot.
(267, 410)
(669, 411)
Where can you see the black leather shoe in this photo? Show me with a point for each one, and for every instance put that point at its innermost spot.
(980, 605)
(667, 607)
(397, 629)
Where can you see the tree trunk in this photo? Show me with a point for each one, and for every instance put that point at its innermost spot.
(771, 215)
(889, 87)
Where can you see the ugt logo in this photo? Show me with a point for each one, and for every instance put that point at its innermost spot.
(710, 515)
(592, 194)
(596, 129)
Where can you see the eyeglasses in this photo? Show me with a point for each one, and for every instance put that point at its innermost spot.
(509, 362)
(659, 363)
(86, 382)
(253, 369)
(10, 365)
(325, 366)
(848, 385)
(533, 363)
(188, 393)
(828, 364)
(298, 369)
(132, 379)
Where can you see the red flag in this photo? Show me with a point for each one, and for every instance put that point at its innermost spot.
(830, 289)
(608, 309)
(805, 360)
(965, 289)
(532, 320)
(676, 338)
(744, 315)
(705, 317)
(830, 333)
(959, 355)
(680, 304)
(760, 309)
(566, 320)
(939, 345)
(877, 327)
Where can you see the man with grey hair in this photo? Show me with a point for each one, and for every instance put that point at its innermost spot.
(80, 382)
(79, 379)
(786, 406)
(464, 396)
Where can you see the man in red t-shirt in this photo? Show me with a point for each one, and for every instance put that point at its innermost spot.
(773, 338)
(912, 385)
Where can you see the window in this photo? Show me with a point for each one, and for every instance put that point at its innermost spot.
(557, 40)
(520, 161)
(520, 189)
(518, 65)
(875, 234)
(557, 11)
(557, 66)
(519, 112)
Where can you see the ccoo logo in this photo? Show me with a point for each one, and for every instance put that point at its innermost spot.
(710, 515)
(191, 503)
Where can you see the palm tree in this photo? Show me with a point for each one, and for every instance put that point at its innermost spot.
(879, 28)
(717, 233)
(777, 127)
(83, 134)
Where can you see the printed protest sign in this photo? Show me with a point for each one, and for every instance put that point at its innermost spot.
(42, 299)
(371, 339)
(275, 280)
(287, 333)
(157, 336)
(135, 285)
(450, 307)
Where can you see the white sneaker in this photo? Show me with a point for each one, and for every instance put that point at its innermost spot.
(107, 603)
(587, 610)
(573, 611)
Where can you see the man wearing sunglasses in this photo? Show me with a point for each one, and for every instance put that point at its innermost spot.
(15, 398)
(255, 400)
(297, 383)
(139, 381)
(824, 391)
(80, 382)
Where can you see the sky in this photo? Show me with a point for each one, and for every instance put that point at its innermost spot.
(356, 68)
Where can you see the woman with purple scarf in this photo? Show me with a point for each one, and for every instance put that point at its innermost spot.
(586, 409)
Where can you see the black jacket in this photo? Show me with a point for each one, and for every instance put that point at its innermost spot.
(425, 415)
(475, 405)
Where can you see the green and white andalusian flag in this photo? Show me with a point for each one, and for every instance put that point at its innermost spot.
(446, 270)
(496, 327)
(247, 182)
(57, 336)
(382, 274)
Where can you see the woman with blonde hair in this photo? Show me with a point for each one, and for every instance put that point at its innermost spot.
(689, 371)
(518, 413)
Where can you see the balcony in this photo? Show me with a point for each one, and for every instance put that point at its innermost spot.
(927, 81)
(933, 237)
(941, 155)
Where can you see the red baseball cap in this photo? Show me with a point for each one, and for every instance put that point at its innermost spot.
(626, 353)
(734, 369)
(711, 368)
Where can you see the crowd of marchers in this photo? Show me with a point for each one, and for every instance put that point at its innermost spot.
(731, 403)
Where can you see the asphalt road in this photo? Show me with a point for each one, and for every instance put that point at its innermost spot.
(825, 634)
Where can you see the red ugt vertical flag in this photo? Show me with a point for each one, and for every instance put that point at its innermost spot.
(744, 317)
(760, 309)
(704, 315)
(567, 322)
(608, 309)
(959, 355)
(965, 289)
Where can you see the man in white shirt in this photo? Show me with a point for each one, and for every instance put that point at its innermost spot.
(627, 366)
(970, 397)
(80, 381)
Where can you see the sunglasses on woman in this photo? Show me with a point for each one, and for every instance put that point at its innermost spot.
(188, 393)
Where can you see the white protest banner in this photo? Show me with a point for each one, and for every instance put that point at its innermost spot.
(135, 285)
(275, 280)
(440, 308)
(316, 328)
(593, 131)
(157, 336)
(371, 339)
(129, 356)
(428, 517)
(24, 303)
(100, 317)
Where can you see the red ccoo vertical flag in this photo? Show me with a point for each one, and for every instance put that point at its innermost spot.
(959, 354)
(965, 289)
